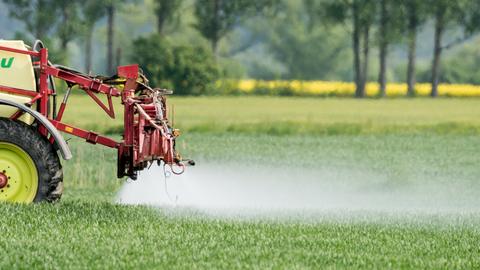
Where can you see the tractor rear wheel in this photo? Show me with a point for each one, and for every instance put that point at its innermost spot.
(30, 170)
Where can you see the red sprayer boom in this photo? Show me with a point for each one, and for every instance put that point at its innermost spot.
(147, 137)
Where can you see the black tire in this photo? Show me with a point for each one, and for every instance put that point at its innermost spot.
(43, 154)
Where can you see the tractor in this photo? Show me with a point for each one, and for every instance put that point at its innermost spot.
(31, 123)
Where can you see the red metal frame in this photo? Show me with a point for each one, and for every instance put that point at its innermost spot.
(147, 137)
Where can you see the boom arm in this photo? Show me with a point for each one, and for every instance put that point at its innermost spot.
(147, 135)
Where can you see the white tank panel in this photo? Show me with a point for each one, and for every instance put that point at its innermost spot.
(16, 71)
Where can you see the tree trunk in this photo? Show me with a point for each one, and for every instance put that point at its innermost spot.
(160, 24)
(356, 51)
(63, 36)
(88, 49)
(216, 26)
(39, 30)
(412, 50)
(364, 76)
(161, 12)
(118, 57)
(110, 37)
(382, 80)
(382, 76)
(214, 46)
(437, 53)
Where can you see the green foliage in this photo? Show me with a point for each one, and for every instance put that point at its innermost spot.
(230, 68)
(55, 53)
(394, 22)
(189, 70)
(69, 24)
(165, 11)
(285, 39)
(39, 16)
(462, 67)
(415, 12)
(446, 10)
(344, 11)
(308, 52)
(218, 17)
(46, 18)
(471, 16)
(91, 11)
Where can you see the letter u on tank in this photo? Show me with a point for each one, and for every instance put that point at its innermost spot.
(6, 62)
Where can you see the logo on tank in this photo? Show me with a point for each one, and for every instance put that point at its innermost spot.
(6, 62)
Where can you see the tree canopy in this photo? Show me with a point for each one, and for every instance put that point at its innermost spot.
(347, 40)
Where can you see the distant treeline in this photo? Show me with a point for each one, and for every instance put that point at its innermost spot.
(392, 19)
(195, 42)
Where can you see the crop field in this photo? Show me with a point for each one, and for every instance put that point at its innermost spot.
(393, 156)
(305, 116)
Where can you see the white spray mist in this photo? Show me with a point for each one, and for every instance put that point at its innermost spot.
(232, 188)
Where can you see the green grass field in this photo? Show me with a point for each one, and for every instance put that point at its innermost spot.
(315, 116)
(432, 143)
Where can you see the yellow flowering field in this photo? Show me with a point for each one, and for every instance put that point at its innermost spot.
(335, 88)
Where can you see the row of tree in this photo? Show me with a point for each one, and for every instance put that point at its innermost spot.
(69, 19)
(370, 24)
(66, 20)
(392, 21)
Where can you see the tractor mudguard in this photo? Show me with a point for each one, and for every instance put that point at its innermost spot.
(59, 140)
